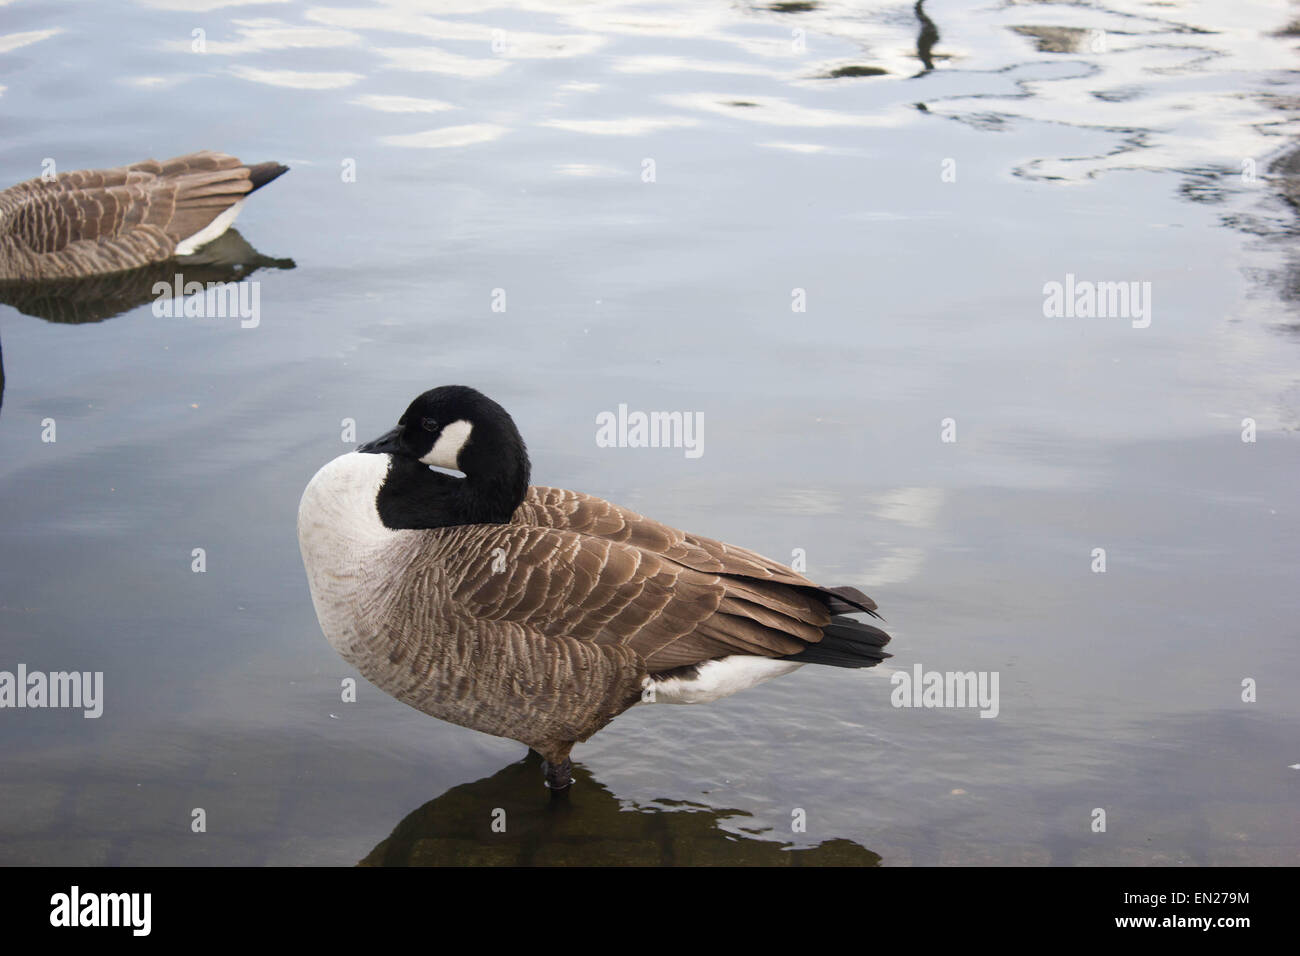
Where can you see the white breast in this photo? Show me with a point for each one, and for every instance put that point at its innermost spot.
(342, 538)
(341, 502)
(717, 679)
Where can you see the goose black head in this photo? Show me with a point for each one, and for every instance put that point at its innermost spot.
(458, 428)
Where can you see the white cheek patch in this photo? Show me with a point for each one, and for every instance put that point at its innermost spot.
(446, 450)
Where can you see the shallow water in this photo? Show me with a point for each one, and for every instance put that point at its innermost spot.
(919, 192)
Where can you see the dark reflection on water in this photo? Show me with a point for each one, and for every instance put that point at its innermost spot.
(1284, 173)
(927, 38)
(586, 825)
(227, 259)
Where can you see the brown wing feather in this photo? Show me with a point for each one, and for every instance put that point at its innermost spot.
(558, 581)
(90, 222)
(492, 674)
(573, 511)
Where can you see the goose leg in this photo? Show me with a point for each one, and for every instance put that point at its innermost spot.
(557, 766)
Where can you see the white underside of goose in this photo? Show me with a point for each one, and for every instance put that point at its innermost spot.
(716, 679)
(213, 230)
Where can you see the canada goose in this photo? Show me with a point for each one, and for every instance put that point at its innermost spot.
(535, 613)
(94, 221)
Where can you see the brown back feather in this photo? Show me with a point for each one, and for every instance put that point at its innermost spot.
(89, 222)
(581, 567)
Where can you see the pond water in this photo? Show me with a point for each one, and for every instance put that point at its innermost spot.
(828, 228)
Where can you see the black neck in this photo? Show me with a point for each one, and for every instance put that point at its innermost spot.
(414, 496)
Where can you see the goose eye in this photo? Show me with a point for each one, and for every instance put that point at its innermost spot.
(429, 424)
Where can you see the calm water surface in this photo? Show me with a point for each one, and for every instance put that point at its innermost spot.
(920, 172)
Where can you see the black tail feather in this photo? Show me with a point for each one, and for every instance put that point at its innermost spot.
(846, 643)
(847, 600)
(259, 174)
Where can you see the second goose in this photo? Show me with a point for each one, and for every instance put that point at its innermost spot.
(96, 221)
(535, 613)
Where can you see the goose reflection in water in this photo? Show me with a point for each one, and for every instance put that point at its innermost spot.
(227, 259)
(502, 821)
(95, 298)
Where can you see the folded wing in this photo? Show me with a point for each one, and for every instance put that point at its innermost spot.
(89, 222)
(578, 566)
